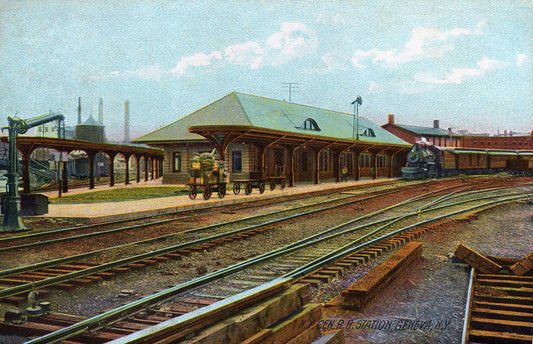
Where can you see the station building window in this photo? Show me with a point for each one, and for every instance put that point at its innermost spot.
(176, 162)
(236, 161)
(304, 161)
(381, 161)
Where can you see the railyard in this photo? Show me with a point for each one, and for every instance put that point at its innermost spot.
(167, 270)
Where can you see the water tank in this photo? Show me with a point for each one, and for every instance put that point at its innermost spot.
(90, 131)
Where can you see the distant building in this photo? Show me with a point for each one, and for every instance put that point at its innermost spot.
(412, 134)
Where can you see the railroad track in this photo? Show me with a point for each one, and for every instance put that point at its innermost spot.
(291, 262)
(75, 271)
(47, 237)
(64, 235)
(500, 309)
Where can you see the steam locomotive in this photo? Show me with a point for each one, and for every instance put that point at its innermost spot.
(423, 161)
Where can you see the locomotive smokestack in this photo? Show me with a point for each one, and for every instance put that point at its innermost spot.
(79, 110)
(127, 122)
(436, 124)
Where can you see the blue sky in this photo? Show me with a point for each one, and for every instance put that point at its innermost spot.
(466, 63)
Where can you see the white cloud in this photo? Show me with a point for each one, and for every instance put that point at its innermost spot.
(111, 75)
(196, 60)
(521, 59)
(152, 72)
(293, 41)
(333, 62)
(481, 26)
(247, 54)
(459, 75)
(337, 19)
(424, 43)
(375, 87)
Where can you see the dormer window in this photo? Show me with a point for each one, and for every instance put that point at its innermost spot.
(369, 133)
(310, 124)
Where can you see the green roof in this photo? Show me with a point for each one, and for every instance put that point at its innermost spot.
(248, 110)
(424, 130)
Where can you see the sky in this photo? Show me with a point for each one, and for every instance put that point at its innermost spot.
(468, 64)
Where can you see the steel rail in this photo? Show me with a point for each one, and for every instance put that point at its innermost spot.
(165, 221)
(121, 312)
(140, 257)
(464, 336)
(54, 262)
(244, 202)
(147, 334)
(348, 249)
(137, 258)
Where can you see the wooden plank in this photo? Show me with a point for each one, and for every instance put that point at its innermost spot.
(362, 291)
(503, 314)
(499, 337)
(306, 336)
(476, 260)
(289, 328)
(330, 337)
(523, 266)
(173, 332)
(253, 320)
(486, 324)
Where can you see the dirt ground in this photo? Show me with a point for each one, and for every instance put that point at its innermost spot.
(427, 304)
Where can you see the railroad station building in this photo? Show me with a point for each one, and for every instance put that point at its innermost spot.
(261, 138)
(413, 134)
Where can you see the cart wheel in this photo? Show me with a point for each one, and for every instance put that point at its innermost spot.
(207, 192)
(236, 188)
(248, 188)
(261, 187)
(221, 190)
(193, 192)
(272, 184)
(282, 184)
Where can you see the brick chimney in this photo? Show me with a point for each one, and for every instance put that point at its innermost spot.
(436, 124)
(391, 118)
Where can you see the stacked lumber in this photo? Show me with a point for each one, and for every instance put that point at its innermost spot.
(284, 318)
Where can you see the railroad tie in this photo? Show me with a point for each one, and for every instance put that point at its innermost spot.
(365, 289)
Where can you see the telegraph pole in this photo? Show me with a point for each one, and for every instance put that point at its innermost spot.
(291, 87)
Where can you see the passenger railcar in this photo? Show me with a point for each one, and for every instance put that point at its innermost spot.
(428, 161)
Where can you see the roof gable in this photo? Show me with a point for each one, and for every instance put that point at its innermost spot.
(241, 109)
(224, 111)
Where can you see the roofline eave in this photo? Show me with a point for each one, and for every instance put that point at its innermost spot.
(222, 129)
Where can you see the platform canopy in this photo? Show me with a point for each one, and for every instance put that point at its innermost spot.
(245, 118)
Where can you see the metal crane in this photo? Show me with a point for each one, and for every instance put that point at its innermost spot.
(12, 220)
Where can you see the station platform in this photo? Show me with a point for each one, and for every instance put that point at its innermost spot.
(87, 213)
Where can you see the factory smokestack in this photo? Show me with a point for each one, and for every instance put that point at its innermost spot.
(127, 122)
(101, 112)
(79, 110)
